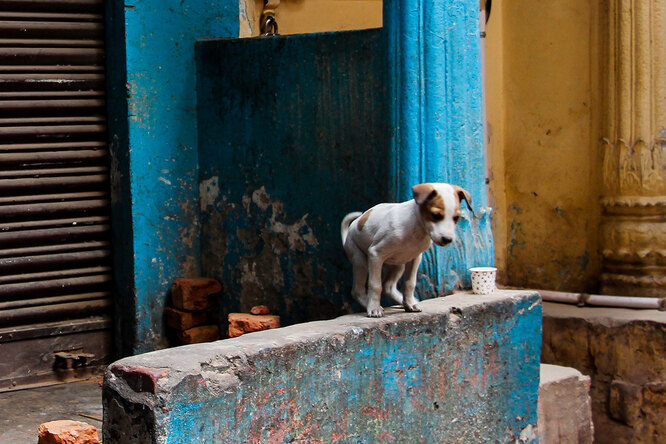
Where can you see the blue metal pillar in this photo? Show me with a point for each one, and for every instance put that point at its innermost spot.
(436, 115)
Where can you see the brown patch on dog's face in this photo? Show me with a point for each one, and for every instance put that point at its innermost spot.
(432, 210)
(457, 214)
(423, 192)
(363, 220)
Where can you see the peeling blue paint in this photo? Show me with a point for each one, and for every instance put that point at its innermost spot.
(464, 370)
(152, 104)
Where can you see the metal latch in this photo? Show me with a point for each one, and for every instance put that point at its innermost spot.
(268, 25)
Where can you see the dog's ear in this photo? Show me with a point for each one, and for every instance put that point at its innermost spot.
(464, 195)
(423, 192)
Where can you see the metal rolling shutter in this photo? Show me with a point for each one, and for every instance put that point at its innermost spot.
(55, 271)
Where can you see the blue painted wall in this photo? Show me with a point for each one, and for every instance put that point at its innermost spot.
(153, 136)
(296, 131)
(432, 70)
(435, 106)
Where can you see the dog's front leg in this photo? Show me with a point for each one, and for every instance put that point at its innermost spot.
(374, 307)
(409, 301)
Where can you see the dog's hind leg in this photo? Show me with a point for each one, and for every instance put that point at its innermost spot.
(358, 287)
(390, 284)
(360, 274)
(409, 301)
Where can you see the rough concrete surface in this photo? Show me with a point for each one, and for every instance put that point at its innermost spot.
(624, 353)
(466, 369)
(565, 413)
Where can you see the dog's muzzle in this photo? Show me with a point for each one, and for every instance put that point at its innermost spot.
(443, 241)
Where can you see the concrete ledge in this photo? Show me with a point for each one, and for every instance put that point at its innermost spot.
(465, 369)
(622, 350)
(565, 413)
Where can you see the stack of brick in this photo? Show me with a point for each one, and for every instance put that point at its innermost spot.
(258, 319)
(190, 311)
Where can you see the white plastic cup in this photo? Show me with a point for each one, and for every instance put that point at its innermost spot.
(483, 280)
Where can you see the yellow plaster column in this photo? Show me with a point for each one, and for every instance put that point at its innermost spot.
(634, 148)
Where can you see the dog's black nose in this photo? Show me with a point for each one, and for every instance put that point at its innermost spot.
(445, 240)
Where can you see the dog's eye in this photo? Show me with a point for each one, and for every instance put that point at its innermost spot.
(456, 219)
(437, 217)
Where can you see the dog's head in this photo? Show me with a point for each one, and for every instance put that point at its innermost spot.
(439, 206)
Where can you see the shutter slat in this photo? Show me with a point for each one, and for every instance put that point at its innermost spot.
(21, 30)
(53, 235)
(52, 278)
(9, 108)
(77, 171)
(51, 146)
(41, 285)
(44, 261)
(55, 223)
(47, 183)
(46, 82)
(52, 5)
(54, 300)
(48, 249)
(83, 207)
(58, 157)
(41, 198)
(51, 56)
(47, 313)
(55, 69)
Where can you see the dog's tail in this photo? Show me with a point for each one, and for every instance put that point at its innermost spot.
(348, 219)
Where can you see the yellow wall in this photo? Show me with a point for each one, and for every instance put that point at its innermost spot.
(303, 16)
(542, 71)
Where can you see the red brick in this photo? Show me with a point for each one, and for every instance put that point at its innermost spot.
(260, 310)
(241, 323)
(182, 320)
(203, 333)
(192, 294)
(67, 432)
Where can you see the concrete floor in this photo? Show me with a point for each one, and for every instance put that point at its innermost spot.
(22, 411)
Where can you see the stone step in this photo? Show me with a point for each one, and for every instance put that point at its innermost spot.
(564, 408)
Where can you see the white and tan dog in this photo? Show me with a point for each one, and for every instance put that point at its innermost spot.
(393, 236)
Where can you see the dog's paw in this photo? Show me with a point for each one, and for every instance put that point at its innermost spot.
(375, 312)
(415, 307)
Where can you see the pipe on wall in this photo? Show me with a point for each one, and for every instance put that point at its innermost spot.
(583, 299)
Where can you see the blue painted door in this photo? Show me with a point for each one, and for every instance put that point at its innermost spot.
(292, 136)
